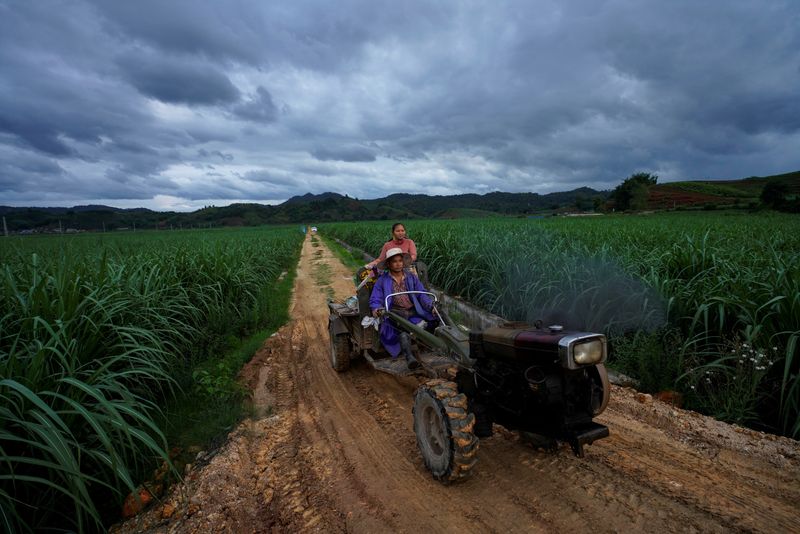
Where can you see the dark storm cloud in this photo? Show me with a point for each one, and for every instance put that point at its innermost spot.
(308, 34)
(16, 173)
(259, 186)
(38, 135)
(350, 154)
(177, 80)
(106, 99)
(267, 177)
(208, 153)
(216, 30)
(59, 97)
(259, 108)
(623, 65)
(125, 183)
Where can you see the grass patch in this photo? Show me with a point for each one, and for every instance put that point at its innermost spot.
(322, 274)
(213, 402)
(648, 356)
(351, 260)
(707, 188)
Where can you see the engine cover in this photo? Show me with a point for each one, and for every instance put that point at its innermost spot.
(513, 341)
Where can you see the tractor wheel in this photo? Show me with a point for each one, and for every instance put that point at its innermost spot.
(444, 430)
(601, 389)
(340, 351)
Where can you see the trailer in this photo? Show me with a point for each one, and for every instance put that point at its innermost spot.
(350, 339)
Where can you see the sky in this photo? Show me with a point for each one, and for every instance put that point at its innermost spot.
(176, 105)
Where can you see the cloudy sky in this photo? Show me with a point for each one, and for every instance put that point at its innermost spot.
(179, 104)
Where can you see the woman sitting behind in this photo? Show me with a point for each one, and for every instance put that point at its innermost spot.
(399, 240)
(415, 307)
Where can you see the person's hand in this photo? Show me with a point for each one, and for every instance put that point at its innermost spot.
(377, 312)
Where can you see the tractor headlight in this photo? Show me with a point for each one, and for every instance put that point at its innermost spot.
(587, 353)
(576, 350)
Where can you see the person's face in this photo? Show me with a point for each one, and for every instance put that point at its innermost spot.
(399, 232)
(396, 263)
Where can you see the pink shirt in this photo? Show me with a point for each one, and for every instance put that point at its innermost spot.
(406, 245)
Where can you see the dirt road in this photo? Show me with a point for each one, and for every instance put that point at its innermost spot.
(328, 452)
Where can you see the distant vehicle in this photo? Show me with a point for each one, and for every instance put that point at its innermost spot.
(313, 229)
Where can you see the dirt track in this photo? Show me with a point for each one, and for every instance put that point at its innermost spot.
(332, 452)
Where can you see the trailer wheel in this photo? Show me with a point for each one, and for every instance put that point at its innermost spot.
(444, 430)
(340, 351)
(601, 389)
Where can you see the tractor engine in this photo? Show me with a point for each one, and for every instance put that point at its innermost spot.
(542, 381)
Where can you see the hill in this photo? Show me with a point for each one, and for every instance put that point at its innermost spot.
(330, 206)
(717, 193)
(304, 208)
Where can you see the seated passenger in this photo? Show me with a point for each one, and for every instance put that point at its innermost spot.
(415, 308)
(399, 240)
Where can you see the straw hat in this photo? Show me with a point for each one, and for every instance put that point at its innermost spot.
(391, 253)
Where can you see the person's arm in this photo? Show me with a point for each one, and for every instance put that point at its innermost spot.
(412, 249)
(377, 297)
(380, 258)
(416, 285)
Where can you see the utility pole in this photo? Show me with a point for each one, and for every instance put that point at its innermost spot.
(134, 226)
(5, 228)
(104, 227)
(60, 231)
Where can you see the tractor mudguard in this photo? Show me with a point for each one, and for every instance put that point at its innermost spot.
(337, 325)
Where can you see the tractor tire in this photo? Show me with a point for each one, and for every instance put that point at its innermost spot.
(444, 430)
(340, 351)
(601, 389)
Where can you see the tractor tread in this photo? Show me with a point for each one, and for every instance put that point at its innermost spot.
(460, 424)
(340, 351)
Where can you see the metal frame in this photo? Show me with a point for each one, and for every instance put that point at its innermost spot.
(429, 293)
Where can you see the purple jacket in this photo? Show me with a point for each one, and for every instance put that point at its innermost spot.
(422, 306)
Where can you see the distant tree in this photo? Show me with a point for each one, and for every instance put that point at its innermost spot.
(774, 194)
(632, 193)
(583, 202)
(597, 203)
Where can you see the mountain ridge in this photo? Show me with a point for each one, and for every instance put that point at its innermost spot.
(330, 206)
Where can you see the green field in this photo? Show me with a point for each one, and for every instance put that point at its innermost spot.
(705, 304)
(711, 188)
(101, 336)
